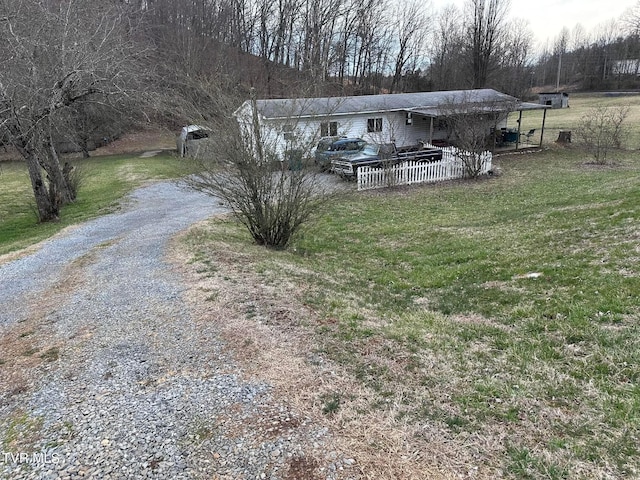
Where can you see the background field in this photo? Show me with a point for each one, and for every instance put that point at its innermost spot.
(579, 105)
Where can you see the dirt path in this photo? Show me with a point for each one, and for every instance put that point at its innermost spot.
(109, 372)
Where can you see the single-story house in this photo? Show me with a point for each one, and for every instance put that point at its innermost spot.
(554, 99)
(402, 118)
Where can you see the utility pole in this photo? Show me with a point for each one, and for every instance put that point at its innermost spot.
(559, 68)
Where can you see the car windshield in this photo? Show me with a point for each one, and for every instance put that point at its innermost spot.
(197, 135)
(370, 149)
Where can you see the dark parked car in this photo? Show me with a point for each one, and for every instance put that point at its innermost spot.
(331, 147)
(379, 155)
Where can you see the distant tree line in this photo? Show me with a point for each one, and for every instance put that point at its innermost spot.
(348, 46)
(371, 46)
(605, 59)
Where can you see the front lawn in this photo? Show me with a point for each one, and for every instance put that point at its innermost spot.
(498, 318)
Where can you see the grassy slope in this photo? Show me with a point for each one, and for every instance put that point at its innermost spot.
(105, 181)
(424, 295)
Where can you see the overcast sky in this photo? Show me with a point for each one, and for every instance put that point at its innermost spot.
(547, 17)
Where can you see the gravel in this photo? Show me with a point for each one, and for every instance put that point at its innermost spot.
(140, 390)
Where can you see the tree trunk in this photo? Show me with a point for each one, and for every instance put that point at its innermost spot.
(46, 199)
(52, 192)
(56, 176)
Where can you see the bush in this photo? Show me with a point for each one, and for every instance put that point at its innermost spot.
(601, 129)
(273, 198)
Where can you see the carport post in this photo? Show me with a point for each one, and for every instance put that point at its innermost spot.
(544, 118)
(431, 131)
(519, 123)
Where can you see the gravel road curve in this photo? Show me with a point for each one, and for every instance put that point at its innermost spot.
(134, 387)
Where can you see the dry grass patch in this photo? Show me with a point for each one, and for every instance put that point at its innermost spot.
(148, 139)
(271, 334)
(389, 410)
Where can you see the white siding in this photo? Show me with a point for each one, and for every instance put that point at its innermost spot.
(306, 131)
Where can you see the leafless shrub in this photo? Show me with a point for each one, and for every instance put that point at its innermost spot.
(243, 168)
(388, 165)
(74, 176)
(601, 130)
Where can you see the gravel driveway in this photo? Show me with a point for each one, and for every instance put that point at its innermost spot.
(120, 381)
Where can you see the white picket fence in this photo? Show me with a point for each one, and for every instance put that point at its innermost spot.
(410, 172)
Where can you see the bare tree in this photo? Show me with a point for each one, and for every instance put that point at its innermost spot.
(56, 55)
(485, 32)
(447, 50)
(472, 128)
(631, 19)
(409, 25)
(88, 125)
(515, 63)
(317, 32)
(369, 46)
(559, 49)
(601, 129)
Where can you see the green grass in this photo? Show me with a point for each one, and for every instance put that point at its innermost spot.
(580, 104)
(21, 432)
(105, 181)
(434, 282)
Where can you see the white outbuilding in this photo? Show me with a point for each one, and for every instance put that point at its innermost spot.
(554, 99)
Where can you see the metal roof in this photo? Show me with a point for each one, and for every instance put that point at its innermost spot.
(531, 106)
(426, 103)
(478, 107)
(194, 128)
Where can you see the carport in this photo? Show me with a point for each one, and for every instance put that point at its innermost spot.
(506, 138)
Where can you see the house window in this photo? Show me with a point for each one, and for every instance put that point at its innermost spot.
(374, 125)
(288, 132)
(329, 129)
(409, 119)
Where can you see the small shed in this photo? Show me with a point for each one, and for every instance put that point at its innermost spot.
(193, 140)
(554, 99)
